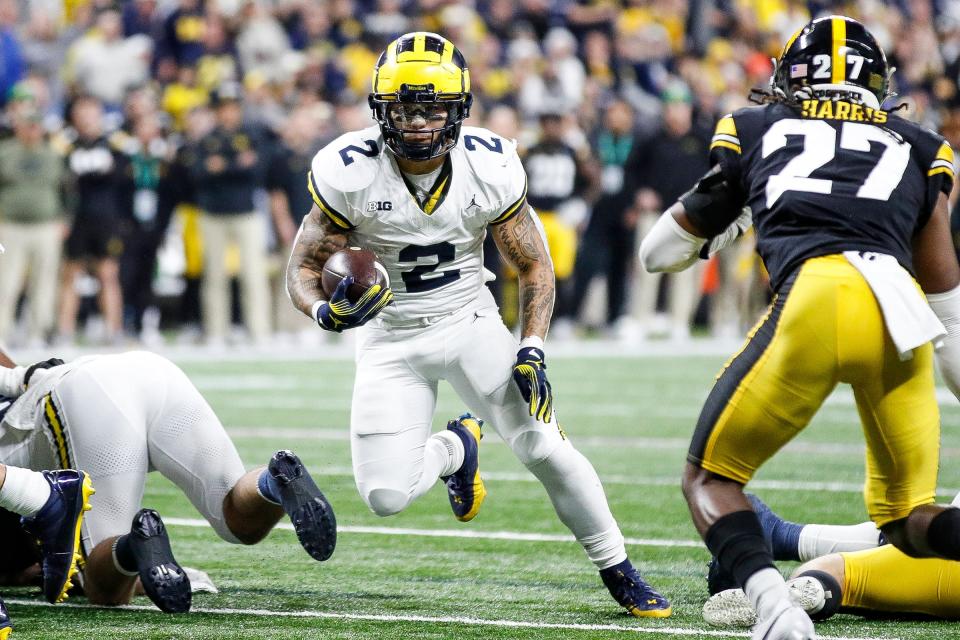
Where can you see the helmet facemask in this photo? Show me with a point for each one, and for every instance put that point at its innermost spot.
(419, 124)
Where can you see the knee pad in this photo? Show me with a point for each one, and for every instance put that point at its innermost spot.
(943, 536)
(387, 502)
(534, 446)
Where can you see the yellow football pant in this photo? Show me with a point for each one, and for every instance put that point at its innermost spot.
(562, 243)
(825, 327)
(884, 579)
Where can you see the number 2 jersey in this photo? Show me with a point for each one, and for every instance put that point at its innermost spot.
(432, 249)
(829, 176)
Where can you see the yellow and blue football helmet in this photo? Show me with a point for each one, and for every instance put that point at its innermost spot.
(421, 75)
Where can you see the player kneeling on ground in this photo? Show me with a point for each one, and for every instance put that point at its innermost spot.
(422, 197)
(119, 416)
(845, 568)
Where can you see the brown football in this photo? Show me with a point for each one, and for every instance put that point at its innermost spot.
(360, 263)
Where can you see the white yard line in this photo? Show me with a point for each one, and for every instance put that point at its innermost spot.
(846, 450)
(461, 533)
(478, 622)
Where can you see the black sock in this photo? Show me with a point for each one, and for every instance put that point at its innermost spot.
(124, 554)
(737, 541)
(943, 536)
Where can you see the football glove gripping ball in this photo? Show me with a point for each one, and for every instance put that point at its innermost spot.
(530, 374)
(338, 313)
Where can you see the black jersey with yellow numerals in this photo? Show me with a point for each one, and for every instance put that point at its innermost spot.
(829, 176)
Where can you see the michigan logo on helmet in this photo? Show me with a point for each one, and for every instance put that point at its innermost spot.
(835, 54)
(421, 95)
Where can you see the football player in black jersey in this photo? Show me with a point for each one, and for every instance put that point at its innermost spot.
(849, 203)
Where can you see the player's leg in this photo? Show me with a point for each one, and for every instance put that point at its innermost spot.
(253, 275)
(52, 505)
(99, 424)
(803, 542)
(395, 458)
(886, 580)
(44, 265)
(481, 374)
(15, 262)
(898, 408)
(69, 300)
(764, 396)
(111, 299)
(214, 287)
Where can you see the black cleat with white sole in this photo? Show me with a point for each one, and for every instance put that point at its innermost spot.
(311, 514)
(164, 581)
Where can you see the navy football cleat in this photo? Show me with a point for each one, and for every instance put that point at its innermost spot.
(633, 593)
(312, 516)
(57, 526)
(164, 581)
(5, 627)
(465, 487)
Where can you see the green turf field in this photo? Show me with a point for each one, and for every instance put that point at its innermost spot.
(512, 572)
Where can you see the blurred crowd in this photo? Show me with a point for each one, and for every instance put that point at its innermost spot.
(153, 153)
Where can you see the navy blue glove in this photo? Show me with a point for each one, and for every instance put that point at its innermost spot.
(530, 374)
(338, 313)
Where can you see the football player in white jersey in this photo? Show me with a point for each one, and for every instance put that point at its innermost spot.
(422, 193)
(119, 416)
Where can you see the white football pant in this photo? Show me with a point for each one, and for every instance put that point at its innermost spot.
(395, 459)
(117, 417)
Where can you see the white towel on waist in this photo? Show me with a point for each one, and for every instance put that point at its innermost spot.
(909, 319)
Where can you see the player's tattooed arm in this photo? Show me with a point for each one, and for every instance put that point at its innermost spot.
(317, 240)
(523, 247)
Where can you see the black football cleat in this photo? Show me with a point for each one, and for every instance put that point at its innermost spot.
(57, 527)
(164, 581)
(633, 593)
(6, 628)
(719, 580)
(312, 516)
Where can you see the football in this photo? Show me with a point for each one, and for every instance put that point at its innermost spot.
(360, 263)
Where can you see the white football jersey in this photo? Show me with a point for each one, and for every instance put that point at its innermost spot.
(433, 251)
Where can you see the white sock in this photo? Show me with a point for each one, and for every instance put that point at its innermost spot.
(820, 539)
(605, 549)
(766, 589)
(449, 447)
(24, 492)
(442, 456)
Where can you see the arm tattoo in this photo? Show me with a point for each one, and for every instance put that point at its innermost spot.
(522, 246)
(318, 239)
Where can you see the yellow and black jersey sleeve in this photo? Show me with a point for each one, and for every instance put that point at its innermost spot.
(726, 149)
(942, 169)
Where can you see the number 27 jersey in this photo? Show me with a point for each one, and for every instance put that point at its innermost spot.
(828, 176)
(431, 246)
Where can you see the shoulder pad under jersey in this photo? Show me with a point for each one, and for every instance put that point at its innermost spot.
(351, 162)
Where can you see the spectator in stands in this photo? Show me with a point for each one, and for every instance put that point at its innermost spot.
(150, 198)
(31, 225)
(11, 51)
(559, 177)
(105, 65)
(97, 170)
(227, 168)
(608, 237)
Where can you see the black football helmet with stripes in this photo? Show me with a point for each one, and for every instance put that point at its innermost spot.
(421, 75)
(833, 53)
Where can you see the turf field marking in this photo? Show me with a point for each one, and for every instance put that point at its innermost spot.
(522, 624)
(460, 533)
